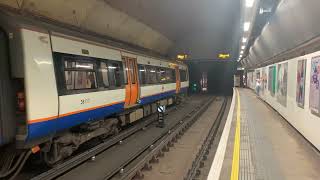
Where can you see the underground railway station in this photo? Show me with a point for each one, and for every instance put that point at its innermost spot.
(159, 90)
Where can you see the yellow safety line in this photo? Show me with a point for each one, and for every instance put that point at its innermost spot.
(236, 147)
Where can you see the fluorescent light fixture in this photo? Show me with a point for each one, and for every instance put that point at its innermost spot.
(246, 26)
(243, 47)
(249, 3)
(244, 40)
(241, 52)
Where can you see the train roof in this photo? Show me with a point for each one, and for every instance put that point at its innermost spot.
(27, 20)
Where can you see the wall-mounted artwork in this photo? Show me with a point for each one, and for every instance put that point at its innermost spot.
(272, 80)
(301, 78)
(264, 80)
(282, 82)
(314, 85)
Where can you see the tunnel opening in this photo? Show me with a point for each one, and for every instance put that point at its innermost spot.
(212, 77)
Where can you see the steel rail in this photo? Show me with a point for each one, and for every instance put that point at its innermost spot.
(201, 156)
(152, 151)
(84, 156)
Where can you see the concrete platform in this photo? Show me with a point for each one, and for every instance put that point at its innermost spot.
(268, 146)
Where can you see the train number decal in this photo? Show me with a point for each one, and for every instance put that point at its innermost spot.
(85, 101)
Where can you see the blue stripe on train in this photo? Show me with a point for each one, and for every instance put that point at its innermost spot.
(37, 130)
(46, 128)
(149, 99)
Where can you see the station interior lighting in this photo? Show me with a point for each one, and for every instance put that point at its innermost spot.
(241, 52)
(182, 56)
(223, 56)
(249, 3)
(244, 40)
(243, 47)
(246, 26)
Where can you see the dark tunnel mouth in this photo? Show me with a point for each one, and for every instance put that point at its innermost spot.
(219, 77)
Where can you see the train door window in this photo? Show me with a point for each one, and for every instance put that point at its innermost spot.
(79, 75)
(116, 75)
(183, 75)
(125, 75)
(142, 74)
(161, 74)
(151, 75)
(132, 73)
(104, 74)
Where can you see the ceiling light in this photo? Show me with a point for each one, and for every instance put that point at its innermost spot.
(241, 52)
(249, 3)
(243, 47)
(246, 26)
(244, 40)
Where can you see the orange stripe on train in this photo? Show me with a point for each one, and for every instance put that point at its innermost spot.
(70, 113)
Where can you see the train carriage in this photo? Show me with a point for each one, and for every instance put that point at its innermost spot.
(60, 88)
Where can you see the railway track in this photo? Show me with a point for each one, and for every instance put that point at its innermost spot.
(204, 151)
(81, 158)
(160, 146)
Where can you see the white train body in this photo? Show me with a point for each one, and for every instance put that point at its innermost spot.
(68, 81)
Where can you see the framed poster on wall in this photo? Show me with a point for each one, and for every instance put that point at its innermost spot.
(282, 82)
(301, 78)
(314, 96)
(264, 80)
(272, 80)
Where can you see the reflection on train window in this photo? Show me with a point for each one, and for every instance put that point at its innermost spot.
(104, 74)
(161, 75)
(115, 73)
(142, 74)
(151, 75)
(183, 75)
(79, 75)
(78, 65)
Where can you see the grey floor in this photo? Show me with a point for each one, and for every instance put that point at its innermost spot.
(270, 149)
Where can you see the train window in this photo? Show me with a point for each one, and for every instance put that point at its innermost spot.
(183, 75)
(104, 73)
(151, 75)
(116, 75)
(142, 74)
(170, 76)
(79, 75)
(161, 75)
(173, 75)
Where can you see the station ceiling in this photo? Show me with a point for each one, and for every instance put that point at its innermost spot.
(202, 29)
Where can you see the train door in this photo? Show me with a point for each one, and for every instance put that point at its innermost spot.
(178, 82)
(132, 87)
